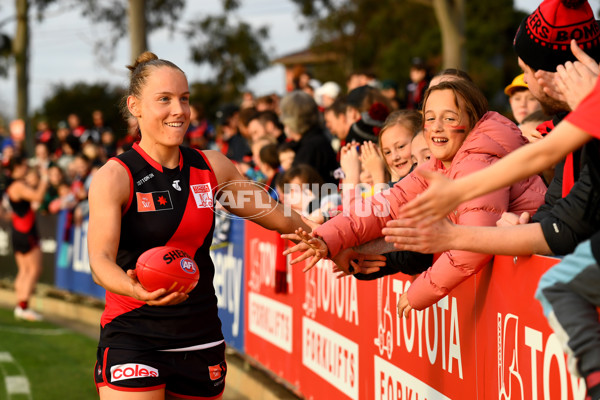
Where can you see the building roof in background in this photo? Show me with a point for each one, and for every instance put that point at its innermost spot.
(306, 56)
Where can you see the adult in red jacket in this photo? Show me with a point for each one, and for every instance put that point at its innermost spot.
(463, 137)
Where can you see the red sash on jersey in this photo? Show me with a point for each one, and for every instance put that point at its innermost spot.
(25, 223)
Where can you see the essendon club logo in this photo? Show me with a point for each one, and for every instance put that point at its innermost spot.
(202, 195)
(217, 372)
(154, 201)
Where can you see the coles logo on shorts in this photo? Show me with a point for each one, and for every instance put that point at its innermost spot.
(203, 195)
(188, 266)
(130, 371)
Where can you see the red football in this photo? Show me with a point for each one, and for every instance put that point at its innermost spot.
(167, 267)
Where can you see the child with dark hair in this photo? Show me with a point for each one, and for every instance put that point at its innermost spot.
(419, 80)
(286, 154)
(266, 123)
(298, 187)
(335, 119)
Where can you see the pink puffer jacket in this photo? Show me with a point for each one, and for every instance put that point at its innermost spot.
(493, 137)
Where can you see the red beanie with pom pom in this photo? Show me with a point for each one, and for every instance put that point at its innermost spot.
(543, 38)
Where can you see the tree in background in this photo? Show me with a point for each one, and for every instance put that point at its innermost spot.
(134, 19)
(450, 15)
(20, 51)
(381, 37)
(83, 98)
(233, 49)
(492, 62)
(384, 36)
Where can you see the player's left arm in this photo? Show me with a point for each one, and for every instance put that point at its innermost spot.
(251, 201)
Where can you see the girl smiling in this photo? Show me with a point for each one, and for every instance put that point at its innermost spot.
(463, 137)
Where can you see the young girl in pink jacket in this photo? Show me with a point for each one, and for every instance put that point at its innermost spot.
(463, 137)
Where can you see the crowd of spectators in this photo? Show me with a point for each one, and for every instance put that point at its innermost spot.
(320, 149)
(314, 130)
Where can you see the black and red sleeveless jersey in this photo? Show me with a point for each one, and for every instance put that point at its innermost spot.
(167, 207)
(23, 216)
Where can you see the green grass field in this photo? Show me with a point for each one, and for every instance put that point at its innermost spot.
(43, 361)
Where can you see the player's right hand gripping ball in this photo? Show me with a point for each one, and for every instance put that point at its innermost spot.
(167, 267)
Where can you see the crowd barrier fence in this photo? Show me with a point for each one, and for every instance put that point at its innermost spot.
(342, 338)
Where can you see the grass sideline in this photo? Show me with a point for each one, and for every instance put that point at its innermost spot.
(56, 363)
(246, 378)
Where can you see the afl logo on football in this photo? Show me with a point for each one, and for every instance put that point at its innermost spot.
(188, 265)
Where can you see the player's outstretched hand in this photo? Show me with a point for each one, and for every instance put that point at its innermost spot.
(158, 297)
(312, 247)
(435, 203)
(311, 224)
(433, 238)
(350, 262)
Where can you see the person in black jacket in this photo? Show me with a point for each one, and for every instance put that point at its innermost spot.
(300, 117)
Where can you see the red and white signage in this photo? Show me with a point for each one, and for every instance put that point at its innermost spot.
(342, 338)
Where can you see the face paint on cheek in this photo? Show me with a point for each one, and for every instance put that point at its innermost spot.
(459, 129)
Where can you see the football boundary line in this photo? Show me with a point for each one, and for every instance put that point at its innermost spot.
(14, 384)
(34, 331)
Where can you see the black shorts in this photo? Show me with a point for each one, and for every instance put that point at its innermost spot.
(196, 374)
(24, 242)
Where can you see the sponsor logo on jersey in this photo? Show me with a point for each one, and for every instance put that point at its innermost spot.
(176, 185)
(202, 195)
(154, 201)
(187, 265)
(130, 371)
(217, 372)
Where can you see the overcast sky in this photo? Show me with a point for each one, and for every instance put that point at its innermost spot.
(62, 47)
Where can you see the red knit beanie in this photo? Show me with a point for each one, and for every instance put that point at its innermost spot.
(543, 38)
(370, 123)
